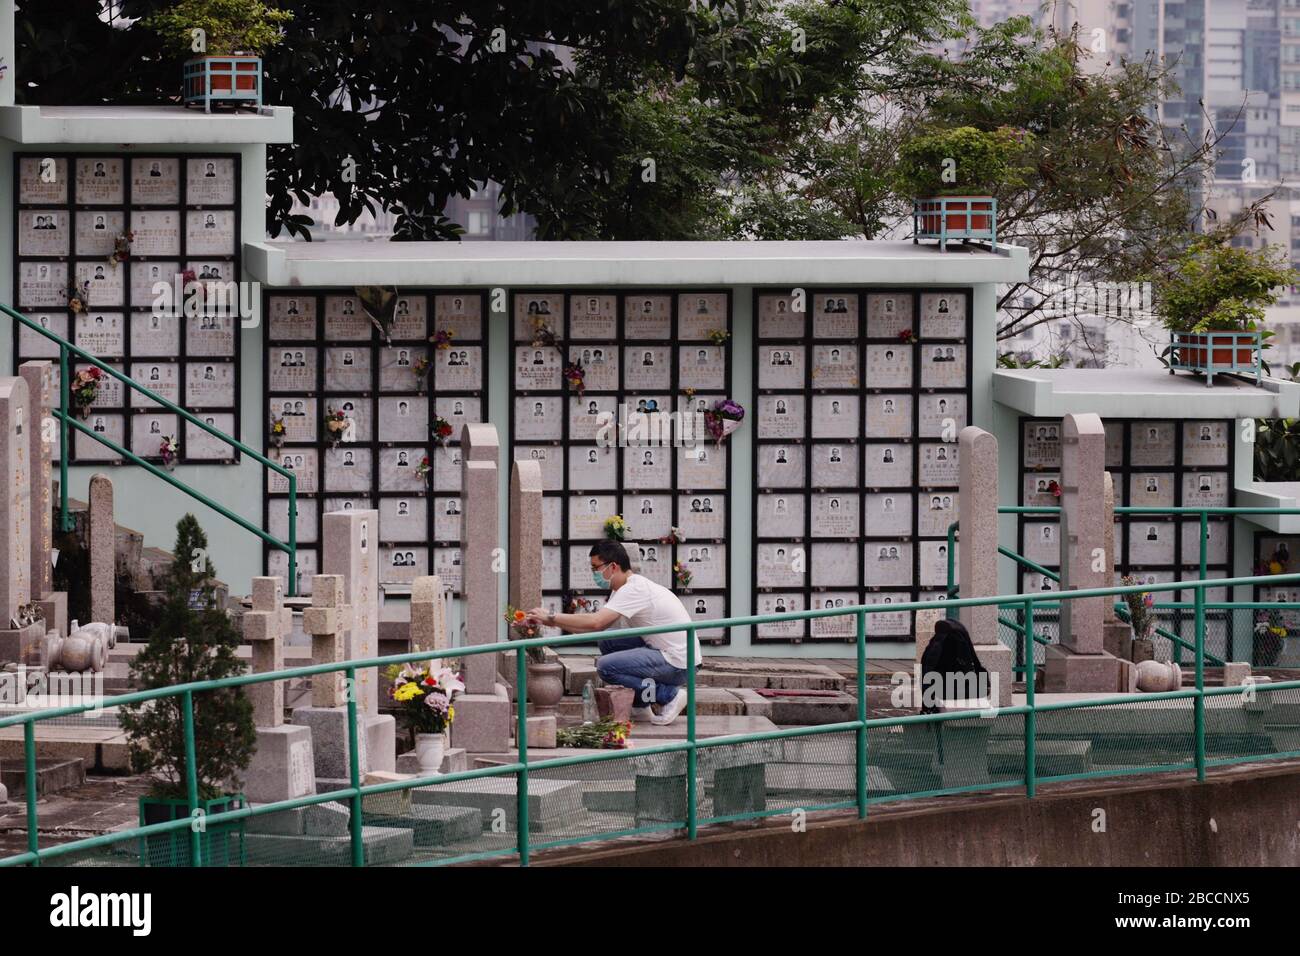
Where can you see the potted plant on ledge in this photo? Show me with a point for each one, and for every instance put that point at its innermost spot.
(1212, 301)
(234, 35)
(194, 640)
(953, 175)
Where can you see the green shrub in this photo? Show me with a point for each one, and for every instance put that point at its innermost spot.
(962, 162)
(229, 26)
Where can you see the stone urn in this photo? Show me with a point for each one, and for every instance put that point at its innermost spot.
(545, 686)
(84, 650)
(429, 751)
(1154, 677)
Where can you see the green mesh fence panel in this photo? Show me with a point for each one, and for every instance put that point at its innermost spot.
(1127, 737)
(970, 753)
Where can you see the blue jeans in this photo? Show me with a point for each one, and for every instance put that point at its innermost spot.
(630, 662)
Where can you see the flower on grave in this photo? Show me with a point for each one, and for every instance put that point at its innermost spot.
(1054, 489)
(689, 392)
(681, 575)
(79, 298)
(674, 536)
(524, 627)
(420, 368)
(337, 424)
(718, 336)
(1274, 567)
(425, 696)
(121, 248)
(441, 339)
(907, 336)
(277, 432)
(423, 468)
(84, 388)
(723, 418)
(441, 430)
(542, 334)
(616, 528)
(575, 377)
(169, 450)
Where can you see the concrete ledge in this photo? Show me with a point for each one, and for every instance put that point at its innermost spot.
(143, 125)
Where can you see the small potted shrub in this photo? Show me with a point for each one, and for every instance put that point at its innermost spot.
(955, 173)
(193, 640)
(235, 35)
(1217, 288)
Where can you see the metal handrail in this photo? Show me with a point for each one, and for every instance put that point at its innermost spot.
(355, 791)
(66, 419)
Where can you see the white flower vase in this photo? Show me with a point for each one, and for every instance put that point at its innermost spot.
(429, 750)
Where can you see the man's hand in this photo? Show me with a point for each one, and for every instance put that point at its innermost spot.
(540, 614)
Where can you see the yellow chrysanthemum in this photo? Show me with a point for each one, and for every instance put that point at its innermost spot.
(407, 692)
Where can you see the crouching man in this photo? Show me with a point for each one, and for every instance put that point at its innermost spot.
(655, 663)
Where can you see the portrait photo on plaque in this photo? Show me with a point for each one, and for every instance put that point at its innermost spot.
(588, 514)
(291, 317)
(308, 530)
(1038, 489)
(402, 564)
(155, 181)
(1205, 443)
(210, 232)
(936, 511)
(593, 315)
(704, 466)
(303, 462)
(538, 369)
(400, 368)
(779, 602)
(101, 333)
(841, 626)
(157, 232)
(210, 181)
(781, 366)
(781, 514)
(934, 563)
(706, 562)
(834, 465)
(203, 446)
(591, 417)
(31, 344)
(647, 467)
(347, 503)
(459, 368)
(357, 412)
(836, 416)
(782, 416)
(835, 366)
(647, 367)
(99, 181)
(1216, 542)
(43, 285)
(887, 513)
(447, 565)
(539, 417)
(160, 377)
(889, 314)
(405, 518)
(291, 368)
(834, 564)
(447, 518)
(599, 365)
(889, 415)
(42, 179)
(835, 315)
(942, 415)
(699, 314)
(154, 285)
(1151, 489)
(889, 623)
(217, 281)
(943, 315)
(458, 411)
(592, 468)
(835, 514)
(1037, 583)
(942, 366)
(346, 320)
(1042, 444)
(649, 515)
(1149, 542)
(777, 318)
(349, 468)
(106, 284)
(550, 458)
(404, 419)
(148, 431)
(647, 316)
(887, 564)
(347, 369)
(1043, 542)
(702, 516)
(889, 366)
(702, 366)
(460, 313)
(210, 384)
(1152, 444)
(779, 564)
(938, 463)
(210, 335)
(781, 465)
(655, 561)
(277, 566)
(398, 470)
(410, 319)
(153, 334)
(106, 425)
(45, 232)
(1205, 489)
(539, 311)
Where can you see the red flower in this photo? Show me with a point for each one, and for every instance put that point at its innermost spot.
(430, 682)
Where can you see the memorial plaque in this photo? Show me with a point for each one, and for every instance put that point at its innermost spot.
(111, 392)
(43, 285)
(939, 464)
(703, 517)
(588, 514)
(155, 182)
(777, 318)
(650, 515)
(934, 563)
(551, 460)
(1151, 490)
(552, 517)
(99, 181)
(781, 366)
(780, 602)
(411, 320)
(149, 430)
(42, 180)
(593, 316)
(835, 315)
(32, 344)
(199, 445)
(942, 415)
(348, 468)
(153, 334)
(647, 317)
(210, 335)
(447, 518)
(835, 366)
(943, 366)
(402, 564)
(1114, 444)
(403, 419)
(1216, 542)
(460, 314)
(647, 367)
(458, 411)
(834, 466)
(107, 285)
(778, 563)
(1205, 489)
(1205, 444)
(889, 366)
(1042, 445)
(295, 370)
(591, 417)
(538, 369)
(216, 280)
(539, 311)
(943, 315)
(937, 511)
(888, 623)
(397, 368)
(780, 515)
(308, 525)
(112, 427)
(305, 464)
(552, 578)
(835, 416)
(599, 364)
(44, 232)
(157, 233)
(1043, 542)
(647, 467)
(702, 367)
(889, 314)
(782, 416)
(397, 470)
(834, 564)
(460, 368)
(888, 513)
(1150, 542)
(346, 320)
(209, 384)
(835, 515)
(210, 232)
(292, 317)
(102, 334)
(541, 417)
(1039, 582)
(888, 564)
(210, 181)
(357, 411)
(706, 562)
(890, 415)
(701, 313)
(705, 467)
(840, 626)
(592, 469)
(347, 369)
(154, 285)
(1038, 489)
(1152, 443)
(160, 377)
(277, 566)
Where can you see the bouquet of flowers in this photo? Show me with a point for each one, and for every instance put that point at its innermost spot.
(575, 377)
(84, 388)
(907, 336)
(723, 418)
(169, 450)
(616, 528)
(441, 339)
(542, 334)
(605, 734)
(336, 425)
(1054, 489)
(1270, 630)
(719, 336)
(441, 430)
(424, 696)
(79, 298)
(379, 303)
(1139, 608)
(121, 248)
(522, 628)
(674, 536)
(277, 432)
(574, 603)
(682, 575)
(423, 468)
(420, 368)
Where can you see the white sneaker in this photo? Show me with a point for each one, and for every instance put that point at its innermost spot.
(668, 712)
(642, 715)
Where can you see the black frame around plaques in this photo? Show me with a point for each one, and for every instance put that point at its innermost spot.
(128, 309)
(422, 536)
(620, 492)
(860, 444)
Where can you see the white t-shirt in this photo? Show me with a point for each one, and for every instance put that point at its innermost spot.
(643, 603)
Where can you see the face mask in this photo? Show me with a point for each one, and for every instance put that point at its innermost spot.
(599, 578)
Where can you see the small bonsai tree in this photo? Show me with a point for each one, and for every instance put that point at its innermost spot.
(229, 27)
(1216, 287)
(193, 641)
(962, 162)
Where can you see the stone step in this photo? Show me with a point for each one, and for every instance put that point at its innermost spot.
(433, 825)
(784, 675)
(551, 802)
(101, 749)
(381, 845)
(799, 710)
(53, 775)
(454, 760)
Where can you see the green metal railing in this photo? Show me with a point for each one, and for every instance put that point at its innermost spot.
(522, 767)
(68, 420)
